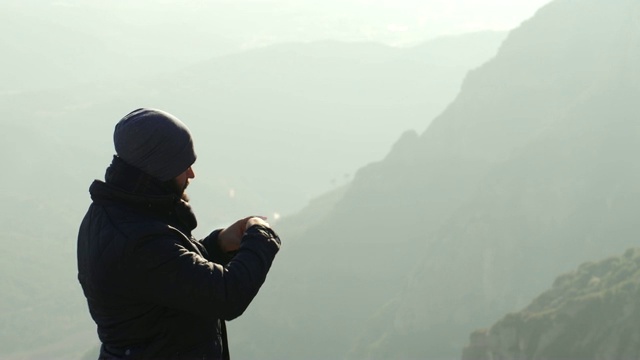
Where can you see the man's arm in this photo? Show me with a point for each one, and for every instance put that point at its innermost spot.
(178, 278)
(222, 244)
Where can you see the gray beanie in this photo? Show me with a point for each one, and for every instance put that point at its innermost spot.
(155, 142)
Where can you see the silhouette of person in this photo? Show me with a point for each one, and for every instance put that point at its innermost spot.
(153, 290)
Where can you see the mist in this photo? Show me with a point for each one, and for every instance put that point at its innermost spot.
(449, 178)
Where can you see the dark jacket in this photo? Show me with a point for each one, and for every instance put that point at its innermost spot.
(153, 290)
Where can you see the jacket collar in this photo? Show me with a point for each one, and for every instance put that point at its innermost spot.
(127, 185)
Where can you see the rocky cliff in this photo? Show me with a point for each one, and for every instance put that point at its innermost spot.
(531, 171)
(590, 313)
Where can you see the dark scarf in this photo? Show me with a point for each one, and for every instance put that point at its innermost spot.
(127, 184)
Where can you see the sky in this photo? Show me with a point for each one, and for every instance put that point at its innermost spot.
(262, 22)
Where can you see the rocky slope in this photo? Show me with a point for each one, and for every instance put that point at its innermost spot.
(590, 313)
(550, 129)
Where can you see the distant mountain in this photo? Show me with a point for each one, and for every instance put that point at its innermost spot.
(163, 31)
(339, 105)
(589, 313)
(53, 44)
(528, 173)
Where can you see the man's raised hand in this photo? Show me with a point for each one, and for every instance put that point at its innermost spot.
(230, 238)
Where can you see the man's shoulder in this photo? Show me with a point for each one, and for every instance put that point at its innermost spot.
(132, 224)
(123, 211)
(122, 229)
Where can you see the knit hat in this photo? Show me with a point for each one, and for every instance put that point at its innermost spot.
(155, 142)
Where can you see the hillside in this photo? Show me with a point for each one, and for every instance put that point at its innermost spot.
(547, 134)
(528, 173)
(589, 313)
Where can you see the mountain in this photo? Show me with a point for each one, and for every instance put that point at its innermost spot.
(589, 313)
(528, 173)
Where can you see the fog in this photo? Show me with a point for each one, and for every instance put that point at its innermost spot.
(431, 167)
(98, 40)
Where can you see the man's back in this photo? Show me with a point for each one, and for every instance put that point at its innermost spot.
(113, 271)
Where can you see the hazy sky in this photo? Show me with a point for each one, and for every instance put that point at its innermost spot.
(177, 33)
(266, 21)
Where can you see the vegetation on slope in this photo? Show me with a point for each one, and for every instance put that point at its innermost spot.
(590, 313)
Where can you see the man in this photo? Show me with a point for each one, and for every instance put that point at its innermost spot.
(153, 290)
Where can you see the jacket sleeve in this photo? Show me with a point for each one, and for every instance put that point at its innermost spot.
(178, 278)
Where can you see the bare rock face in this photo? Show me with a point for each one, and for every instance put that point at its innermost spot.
(590, 313)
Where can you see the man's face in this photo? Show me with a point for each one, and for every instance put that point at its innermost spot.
(183, 180)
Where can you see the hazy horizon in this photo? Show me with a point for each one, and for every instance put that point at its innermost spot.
(251, 23)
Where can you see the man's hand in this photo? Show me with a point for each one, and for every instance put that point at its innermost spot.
(256, 220)
(230, 238)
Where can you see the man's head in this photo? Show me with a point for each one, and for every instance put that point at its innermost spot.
(157, 143)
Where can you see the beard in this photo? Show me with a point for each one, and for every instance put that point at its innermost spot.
(182, 190)
(178, 188)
